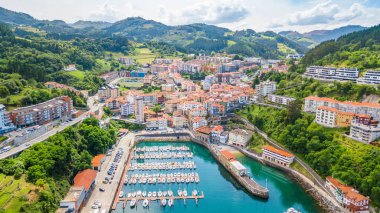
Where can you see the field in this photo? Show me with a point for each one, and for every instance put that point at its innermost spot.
(15, 192)
(123, 85)
(285, 49)
(78, 74)
(143, 56)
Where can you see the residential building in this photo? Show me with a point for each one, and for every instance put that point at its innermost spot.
(265, 88)
(363, 132)
(326, 116)
(215, 134)
(127, 61)
(127, 108)
(139, 109)
(239, 137)
(179, 121)
(86, 179)
(347, 196)
(73, 201)
(198, 121)
(156, 123)
(108, 91)
(168, 87)
(42, 113)
(332, 73)
(226, 67)
(280, 99)
(52, 84)
(6, 124)
(223, 138)
(236, 166)
(70, 67)
(97, 162)
(203, 134)
(163, 61)
(277, 156)
(295, 56)
(158, 68)
(371, 109)
(370, 77)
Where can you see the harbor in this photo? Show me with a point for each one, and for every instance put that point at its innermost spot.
(221, 191)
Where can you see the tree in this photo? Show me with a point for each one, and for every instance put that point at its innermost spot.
(293, 111)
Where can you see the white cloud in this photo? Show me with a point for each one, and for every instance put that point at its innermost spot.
(111, 13)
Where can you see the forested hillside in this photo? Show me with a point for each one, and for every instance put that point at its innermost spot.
(359, 49)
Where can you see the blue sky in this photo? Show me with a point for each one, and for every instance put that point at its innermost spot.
(260, 15)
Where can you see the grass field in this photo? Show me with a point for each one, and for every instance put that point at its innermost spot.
(143, 56)
(78, 74)
(285, 49)
(14, 193)
(230, 43)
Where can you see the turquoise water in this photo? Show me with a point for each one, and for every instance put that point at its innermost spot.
(222, 192)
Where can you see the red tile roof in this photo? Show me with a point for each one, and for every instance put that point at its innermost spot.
(228, 155)
(349, 191)
(278, 151)
(85, 178)
(204, 129)
(96, 161)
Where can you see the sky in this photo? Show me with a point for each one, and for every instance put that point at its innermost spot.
(259, 15)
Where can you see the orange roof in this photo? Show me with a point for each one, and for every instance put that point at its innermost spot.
(278, 151)
(217, 128)
(85, 178)
(123, 130)
(349, 191)
(204, 129)
(227, 154)
(97, 160)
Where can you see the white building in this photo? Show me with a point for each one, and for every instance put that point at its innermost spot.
(127, 61)
(199, 122)
(294, 56)
(370, 77)
(139, 109)
(156, 123)
(6, 124)
(364, 133)
(73, 200)
(326, 116)
(332, 73)
(280, 99)
(277, 156)
(127, 109)
(239, 137)
(265, 88)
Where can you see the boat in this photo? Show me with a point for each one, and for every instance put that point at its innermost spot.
(121, 194)
(164, 193)
(133, 194)
(129, 195)
(184, 192)
(145, 203)
(179, 192)
(133, 203)
(154, 194)
(292, 210)
(170, 193)
(138, 193)
(163, 202)
(195, 192)
(159, 194)
(149, 194)
(171, 202)
(144, 193)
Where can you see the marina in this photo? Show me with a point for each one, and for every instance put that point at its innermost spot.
(221, 192)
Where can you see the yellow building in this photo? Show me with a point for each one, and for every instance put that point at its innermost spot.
(343, 119)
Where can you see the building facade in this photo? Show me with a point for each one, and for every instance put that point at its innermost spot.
(277, 156)
(239, 137)
(265, 88)
(280, 99)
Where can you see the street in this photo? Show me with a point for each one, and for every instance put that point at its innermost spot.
(55, 130)
(106, 197)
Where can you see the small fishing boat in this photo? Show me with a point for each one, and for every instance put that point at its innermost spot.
(164, 193)
(163, 202)
(129, 195)
(145, 203)
(144, 193)
(184, 192)
(170, 193)
(133, 194)
(121, 194)
(171, 202)
(149, 194)
(195, 192)
(133, 203)
(154, 194)
(179, 192)
(138, 193)
(159, 194)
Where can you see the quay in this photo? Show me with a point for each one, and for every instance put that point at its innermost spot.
(184, 198)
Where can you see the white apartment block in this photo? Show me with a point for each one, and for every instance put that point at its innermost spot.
(139, 109)
(277, 156)
(127, 61)
(332, 73)
(364, 133)
(370, 77)
(6, 124)
(199, 122)
(265, 88)
(127, 109)
(239, 137)
(280, 99)
(156, 123)
(294, 56)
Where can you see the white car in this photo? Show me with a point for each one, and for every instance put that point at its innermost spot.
(94, 206)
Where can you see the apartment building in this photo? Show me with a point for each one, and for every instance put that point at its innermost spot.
(265, 88)
(331, 117)
(156, 123)
(6, 124)
(295, 56)
(158, 68)
(277, 156)
(283, 100)
(364, 133)
(162, 61)
(127, 61)
(108, 91)
(42, 113)
(139, 109)
(239, 137)
(332, 73)
(370, 77)
(127, 108)
(198, 121)
(347, 196)
(179, 120)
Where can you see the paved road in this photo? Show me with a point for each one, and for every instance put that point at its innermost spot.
(55, 130)
(106, 198)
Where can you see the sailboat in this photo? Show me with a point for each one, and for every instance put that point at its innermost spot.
(171, 202)
(145, 203)
(163, 202)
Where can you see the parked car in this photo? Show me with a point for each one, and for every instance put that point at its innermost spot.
(102, 189)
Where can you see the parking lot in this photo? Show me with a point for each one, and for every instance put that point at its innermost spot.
(112, 169)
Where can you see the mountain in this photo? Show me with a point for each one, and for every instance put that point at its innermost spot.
(191, 38)
(324, 35)
(17, 18)
(358, 49)
(311, 39)
(91, 24)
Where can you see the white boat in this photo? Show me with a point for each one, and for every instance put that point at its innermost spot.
(164, 193)
(144, 193)
(145, 203)
(184, 192)
(133, 203)
(149, 194)
(159, 194)
(170, 193)
(163, 202)
(121, 194)
(138, 193)
(179, 192)
(129, 195)
(154, 194)
(133, 194)
(292, 210)
(171, 202)
(195, 192)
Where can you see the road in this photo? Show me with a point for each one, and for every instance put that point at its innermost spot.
(106, 198)
(92, 108)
